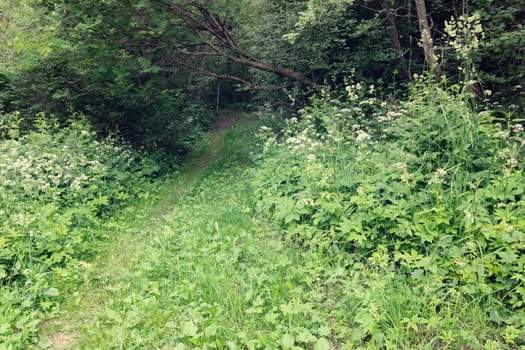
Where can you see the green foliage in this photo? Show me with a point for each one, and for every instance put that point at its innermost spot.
(57, 189)
(430, 190)
(6, 93)
(393, 224)
(210, 274)
(153, 114)
(337, 37)
(96, 63)
(502, 52)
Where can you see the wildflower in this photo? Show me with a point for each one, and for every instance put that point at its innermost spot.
(484, 113)
(85, 265)
(311, 157)
(351, 91)
(441, 172)
(383, 119)
(362, 136)
(270, 140)
(470, 245)
(501, 134)
(517, 128)
(438, 177)
(400, 166)
(374, 309)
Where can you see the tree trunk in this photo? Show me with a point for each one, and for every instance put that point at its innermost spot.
(426, 39)
(284, 72)
(395, 38)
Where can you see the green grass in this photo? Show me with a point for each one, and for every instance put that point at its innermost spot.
(197, 269)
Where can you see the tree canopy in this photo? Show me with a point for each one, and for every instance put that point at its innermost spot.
(143, 67)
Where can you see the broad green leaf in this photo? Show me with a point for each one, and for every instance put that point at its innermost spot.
(322, 344)
(288, 340)
(189, 329)
(51, 292)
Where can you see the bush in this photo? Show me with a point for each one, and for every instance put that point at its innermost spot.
(57, 187)
(430, 189)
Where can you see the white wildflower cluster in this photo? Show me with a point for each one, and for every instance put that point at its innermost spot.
(484, 114)
(502, 134)
(45, 169)
(265, 133)
(441, 172)
(389, 116)
(303, 142)
(353, 91)
(292, 121)
(311, 157)
(371, 101)
(465, 34)
(438, 176)
(265, 129)
(362, 136)
(517, 128)
(400, 166)
(405, 175)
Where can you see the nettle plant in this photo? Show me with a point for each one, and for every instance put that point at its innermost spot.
(429, 188)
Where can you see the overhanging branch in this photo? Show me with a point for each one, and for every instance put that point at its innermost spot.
(214, 33)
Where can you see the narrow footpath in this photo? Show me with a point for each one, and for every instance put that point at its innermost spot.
(195, 270)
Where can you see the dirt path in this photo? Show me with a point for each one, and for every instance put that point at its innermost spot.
(221, 126)
(124, 249)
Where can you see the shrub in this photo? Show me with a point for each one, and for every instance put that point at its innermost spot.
(429, 188)
(57, 187)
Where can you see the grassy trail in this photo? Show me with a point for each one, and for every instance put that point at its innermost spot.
(121, 252)
(192, 269)
(196, 269)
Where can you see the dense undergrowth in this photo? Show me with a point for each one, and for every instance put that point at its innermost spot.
(360, 224)
(279, 270)
(429, 191)
(58, 189)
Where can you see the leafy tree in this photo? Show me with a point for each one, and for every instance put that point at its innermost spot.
(501, 56)
(142, 67)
